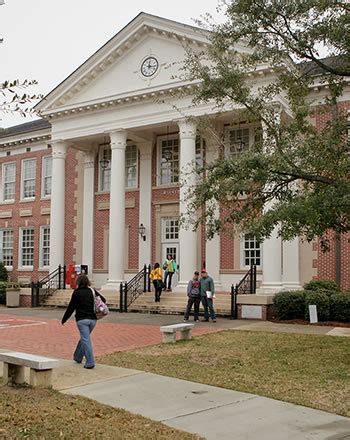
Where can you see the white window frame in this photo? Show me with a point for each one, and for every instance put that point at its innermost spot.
(41, 253)
(136, 166)
(4, 165)
(22, 179)
(242, 253)
(202, 157)
(159, 155)
(250, 127)
(20, 256)
(2, 248)
(100, 170)
(43, 177)
(170, 240)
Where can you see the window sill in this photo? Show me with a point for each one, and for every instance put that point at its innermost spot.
(8, 202)
(169, 186)
(25, 269)
(45, 198)
(27, 200)
(44, 269)
(9, 268)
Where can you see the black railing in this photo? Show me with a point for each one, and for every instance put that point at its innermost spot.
(44, 288)
(131, 290)
(247, 286)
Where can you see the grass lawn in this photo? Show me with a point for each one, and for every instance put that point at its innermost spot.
(307, 370)
(48, 415)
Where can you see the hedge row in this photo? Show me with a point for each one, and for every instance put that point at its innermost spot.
(332, 305)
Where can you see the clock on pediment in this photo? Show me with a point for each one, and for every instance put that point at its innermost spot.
(149, 66)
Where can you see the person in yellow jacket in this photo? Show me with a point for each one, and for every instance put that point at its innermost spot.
(157, 277)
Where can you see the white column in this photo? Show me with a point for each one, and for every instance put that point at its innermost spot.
(57, 213)
(212, 247)
(187, 237)
(272, 264)
(145, 203)
(290, 270)
(272, 246)
(88, 210)
(117, 211)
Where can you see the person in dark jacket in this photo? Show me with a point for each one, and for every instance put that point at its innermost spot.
(207, 296)
(83, 303)
(194, 297)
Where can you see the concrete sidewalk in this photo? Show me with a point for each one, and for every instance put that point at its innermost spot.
(211, 412)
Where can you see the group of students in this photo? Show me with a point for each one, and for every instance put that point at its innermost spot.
(199, 290)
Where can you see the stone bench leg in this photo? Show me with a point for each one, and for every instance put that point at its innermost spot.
(40, 378)
(186, 334)
(169, 338)
(13, 374)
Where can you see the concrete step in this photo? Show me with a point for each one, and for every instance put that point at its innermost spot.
(171, 302)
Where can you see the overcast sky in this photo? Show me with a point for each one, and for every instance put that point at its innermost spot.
(47, 39)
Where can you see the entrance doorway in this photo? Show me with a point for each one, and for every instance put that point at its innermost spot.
(170, 243)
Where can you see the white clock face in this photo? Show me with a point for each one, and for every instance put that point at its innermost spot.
(149, 67)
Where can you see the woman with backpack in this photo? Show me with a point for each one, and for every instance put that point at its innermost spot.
(157, 278)
(83, 302)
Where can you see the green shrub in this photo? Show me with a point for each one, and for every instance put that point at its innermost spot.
(3, 272)
(340, 307)
(3, 292)
(324, 285)
(321, 301)
(290, 304)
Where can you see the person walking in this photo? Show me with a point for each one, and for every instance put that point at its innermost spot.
(157, 278)
(207, 296)
(83, 303)
(194, 297)
(170, 268)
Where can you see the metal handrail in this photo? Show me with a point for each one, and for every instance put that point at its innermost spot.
(45, 287)
(247, 285)
(131, 290)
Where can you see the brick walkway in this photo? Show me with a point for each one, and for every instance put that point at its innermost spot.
(48, 337)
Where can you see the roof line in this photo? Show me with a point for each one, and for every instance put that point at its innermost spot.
(108, 41)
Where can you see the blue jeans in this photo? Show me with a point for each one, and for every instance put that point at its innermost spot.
(208, 304)
(84, 347)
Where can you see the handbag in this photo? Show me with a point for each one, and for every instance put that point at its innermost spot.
(100, 308)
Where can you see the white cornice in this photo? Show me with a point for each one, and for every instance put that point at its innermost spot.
(26, 138)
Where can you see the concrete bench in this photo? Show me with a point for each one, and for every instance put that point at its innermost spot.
(40, 374)
(169, 332)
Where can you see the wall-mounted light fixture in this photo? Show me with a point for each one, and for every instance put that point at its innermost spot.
(142, 232)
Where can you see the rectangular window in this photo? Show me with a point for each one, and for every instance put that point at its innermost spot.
(45, 246)
(28, 178)
(9, 181)
(200, 152)
(105, 169)
(47, 176)
(170, 229)
(238, 140)
(131, 166)
(251, 251)
(27, 247)
(169, 161)
(6, 251)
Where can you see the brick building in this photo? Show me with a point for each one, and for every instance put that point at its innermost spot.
(104, 163)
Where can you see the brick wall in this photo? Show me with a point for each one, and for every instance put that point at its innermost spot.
(325, 263)
(35, 220)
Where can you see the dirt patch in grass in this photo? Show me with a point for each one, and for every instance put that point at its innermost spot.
(307, 370)
(48, 415)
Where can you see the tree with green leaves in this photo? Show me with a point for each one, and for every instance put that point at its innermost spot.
(296, 176)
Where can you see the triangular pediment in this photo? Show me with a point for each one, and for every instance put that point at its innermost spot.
(115, 70)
